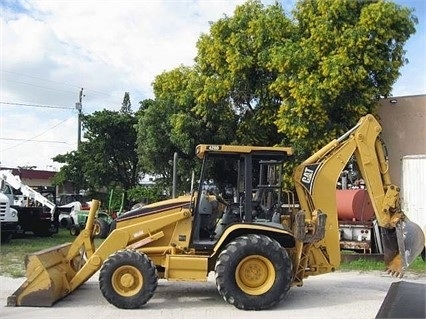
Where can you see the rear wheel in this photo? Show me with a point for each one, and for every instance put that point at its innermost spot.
(74, 230)
(42, 229)
(128, 279)
(101, 228)
(65, 222)
(253, 272)
(6, 237)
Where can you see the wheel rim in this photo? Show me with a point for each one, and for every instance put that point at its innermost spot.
(96, 229)
(255, 275)
(127, 281)
(73, 231)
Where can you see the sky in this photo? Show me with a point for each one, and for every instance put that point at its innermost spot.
(51, 49)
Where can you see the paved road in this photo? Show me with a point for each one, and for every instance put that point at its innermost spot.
(338, 295)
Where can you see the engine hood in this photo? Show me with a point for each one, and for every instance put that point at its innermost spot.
(181, 201)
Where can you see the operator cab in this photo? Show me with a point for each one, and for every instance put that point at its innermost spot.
(238, 184)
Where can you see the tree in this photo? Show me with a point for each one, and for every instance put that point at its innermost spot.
(232, 66)
(107, 157)
(72, 171)
(111, 142)
(177, 120)
(263, 78)
(172, 124)
(154, 147)
(126, 106)
(346, 55)
(223, 99)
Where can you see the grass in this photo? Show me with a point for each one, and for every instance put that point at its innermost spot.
(13, 253)
(418, 266)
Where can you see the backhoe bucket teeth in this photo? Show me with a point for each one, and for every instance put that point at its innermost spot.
(401, 246)
(48, 275)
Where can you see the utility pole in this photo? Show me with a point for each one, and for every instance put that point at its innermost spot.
(79, 107)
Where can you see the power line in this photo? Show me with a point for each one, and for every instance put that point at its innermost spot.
(39, 86)
(34, 137)
(31, 140)
(52, 81)
(38, 105)
(39, 78)
(111, 101)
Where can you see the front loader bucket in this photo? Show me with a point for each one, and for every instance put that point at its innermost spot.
(402, 245)
(48, 275)
(51, 273)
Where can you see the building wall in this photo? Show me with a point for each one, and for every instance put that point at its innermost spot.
(404, 129)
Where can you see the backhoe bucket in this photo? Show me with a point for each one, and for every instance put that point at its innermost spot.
(50, 272)
(402, 245)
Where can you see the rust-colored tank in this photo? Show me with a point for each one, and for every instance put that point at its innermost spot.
(354, 205)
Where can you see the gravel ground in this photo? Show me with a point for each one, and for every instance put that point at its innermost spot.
(337, 295)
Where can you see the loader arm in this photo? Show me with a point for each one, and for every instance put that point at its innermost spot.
(54, 273)
(315, 182)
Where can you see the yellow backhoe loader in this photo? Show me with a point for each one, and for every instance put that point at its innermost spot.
(239, 224)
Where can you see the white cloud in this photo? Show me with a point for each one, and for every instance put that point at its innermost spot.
(51, 49)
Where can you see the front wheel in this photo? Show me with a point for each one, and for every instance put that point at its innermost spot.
(128, 279)
(253, 272)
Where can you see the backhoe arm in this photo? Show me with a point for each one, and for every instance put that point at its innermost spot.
(315, 182)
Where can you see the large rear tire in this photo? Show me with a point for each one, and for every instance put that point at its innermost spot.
(128, 279)
(253, 272)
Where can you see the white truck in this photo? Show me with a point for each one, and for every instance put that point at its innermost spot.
(35, 213)
(8, 219)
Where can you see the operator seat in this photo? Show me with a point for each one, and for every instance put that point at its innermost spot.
(208, 210)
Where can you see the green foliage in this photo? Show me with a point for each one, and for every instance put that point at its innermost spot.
(110, 143)
(223, 99)
(126, 106)
(107, 156)
(263, 78)
(232, 63)
(146, 194)
(154, 147)
(172, 124)
(259, 78)
(346, 55)
(72, 171)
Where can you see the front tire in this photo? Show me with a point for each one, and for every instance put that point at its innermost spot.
(253, 272)
(128, 279)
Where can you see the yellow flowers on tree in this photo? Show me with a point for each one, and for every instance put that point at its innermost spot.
(265, 77)
(347, 54)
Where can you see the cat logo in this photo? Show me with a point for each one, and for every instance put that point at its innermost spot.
(308, 176)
